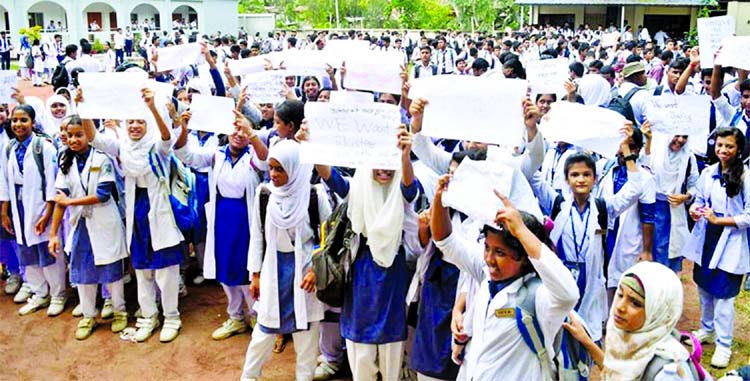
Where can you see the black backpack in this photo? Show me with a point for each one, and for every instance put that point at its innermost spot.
(416, 70)
(60, 77)
(332, 261)
(622, 105)
(601, 208)
(312, 211)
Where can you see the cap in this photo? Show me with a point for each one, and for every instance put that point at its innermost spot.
(633, 68)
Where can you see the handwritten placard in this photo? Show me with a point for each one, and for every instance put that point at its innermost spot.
(590, 127)
(112, 95)
(248, 65)
(177, 56)
(471, 189)
(348, 96)
(484, 110)
(547, 76)
(212, 114)
(8, 80)
(711, 31)
(679, 115)
(734, 52)
(375, 70)
(265, 87)
(352, 135)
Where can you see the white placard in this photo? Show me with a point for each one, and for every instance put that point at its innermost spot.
(484, 110)
(548, 76)
(375, 70)
(610, 39)
(162, 91)
(590, 127)
(734, 52)
(8, 80)
(348, 96)
(679, 115)
(112, 95)
(339, 50)
(265, 87)
(247, 65)
(711, 31)
(352, 135)
(177, 56)
(305, 62)
(212, 114)
(471, 189)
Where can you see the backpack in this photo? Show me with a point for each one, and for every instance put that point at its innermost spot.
(622, 106)
(658, 90)
(694, 360)
(312, 212)
(416, 70)
(572, 360)
(180, 190)
(332, 261)
(29, 61)
(60, 77)
(37, 151)
(601, 208)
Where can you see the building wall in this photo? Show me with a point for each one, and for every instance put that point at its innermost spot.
(634, 13)
(741, 12)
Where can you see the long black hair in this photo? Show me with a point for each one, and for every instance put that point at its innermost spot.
(732, 176)
(536, 228)
(66, 156)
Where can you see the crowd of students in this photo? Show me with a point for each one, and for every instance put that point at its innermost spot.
(431, 290)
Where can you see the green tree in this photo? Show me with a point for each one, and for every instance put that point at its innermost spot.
(251, 6)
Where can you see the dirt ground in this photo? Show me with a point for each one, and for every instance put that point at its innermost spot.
(37, 347)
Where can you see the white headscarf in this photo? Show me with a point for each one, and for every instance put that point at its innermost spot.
(199, 85)
(377, 212)
(288, 203)
(134, 154)
(669, 167)
(627, 354)
(56, 122)
(43, 117)
(595, 90)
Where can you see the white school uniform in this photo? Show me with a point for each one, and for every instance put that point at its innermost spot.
(103, 222)
(497, 346)
(33, 203)
(553, 166)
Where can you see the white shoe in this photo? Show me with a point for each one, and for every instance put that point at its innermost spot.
(108, 310)
(170, 330)
(56, 305)
(229, 328)
(23, 295)
(13, 284)
(78, 310)
(33, 304)
(721, 356)
(199, 280)
(704, 337)
(325, 371)
(146, 327)
(127, 278)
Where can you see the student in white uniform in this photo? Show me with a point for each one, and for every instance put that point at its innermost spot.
(27, 192)
(513, 252)
(280, 259)
(38, 69)
(639, 343)
(232, 180)
(86, 186)
(718, 244)
(150, 229)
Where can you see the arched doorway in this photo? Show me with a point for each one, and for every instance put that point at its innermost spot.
(100, 17)
(50, 15)
(184, 16)
(145, 15)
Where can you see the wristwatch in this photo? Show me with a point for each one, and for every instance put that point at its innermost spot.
(632, 157)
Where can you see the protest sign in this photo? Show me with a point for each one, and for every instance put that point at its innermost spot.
(610, 39)
(375, 70)
(305, 62)
(679, 115)
(339, 50)
(734, 52)
(248, 65)
(265, 87)
(178, 56)
(484, 109)
(162, 91)
(112, 95)
(349, 96)
(711, 31)
(8, 80)
(471, 189)
(212, 114)
(352, 135)
(547, 76)
(589, 127)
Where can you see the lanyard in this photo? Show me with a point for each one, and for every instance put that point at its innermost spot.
(555, 161)
(584, 234)
(88, 175)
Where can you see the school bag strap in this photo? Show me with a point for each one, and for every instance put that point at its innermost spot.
(605, 171)
(629, 95)
(657, 363)
(528, 325)
(37, 146)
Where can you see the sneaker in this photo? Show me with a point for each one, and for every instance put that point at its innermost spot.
(183, 289)
(33, 304)
(170, 330)
(127, 278)
(120, 321)
(199, 280)
(108, 309)
(229, 328)
(13, 284)
(704, 337)
(721, 356)
(138, 314)
(85, 328)
(146, 327)
(78, 310)
(56, 305)
(325, 371)
(23, 295)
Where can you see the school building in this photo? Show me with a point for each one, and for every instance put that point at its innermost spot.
(675, 17)
(73, 18)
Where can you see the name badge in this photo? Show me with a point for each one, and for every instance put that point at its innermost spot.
(505, 313)
(95, 169)
(600, 231)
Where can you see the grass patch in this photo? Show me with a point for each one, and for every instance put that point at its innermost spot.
(741, 346)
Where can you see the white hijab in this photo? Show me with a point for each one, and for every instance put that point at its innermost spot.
(56, 122)
(669, 167)
(627, 354)
(134, 154)
(377, 212)
(288, 203)
(42, 115)
(595, 90)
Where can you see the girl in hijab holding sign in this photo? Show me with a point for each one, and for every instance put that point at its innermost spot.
(280, 260)
(152, 235)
